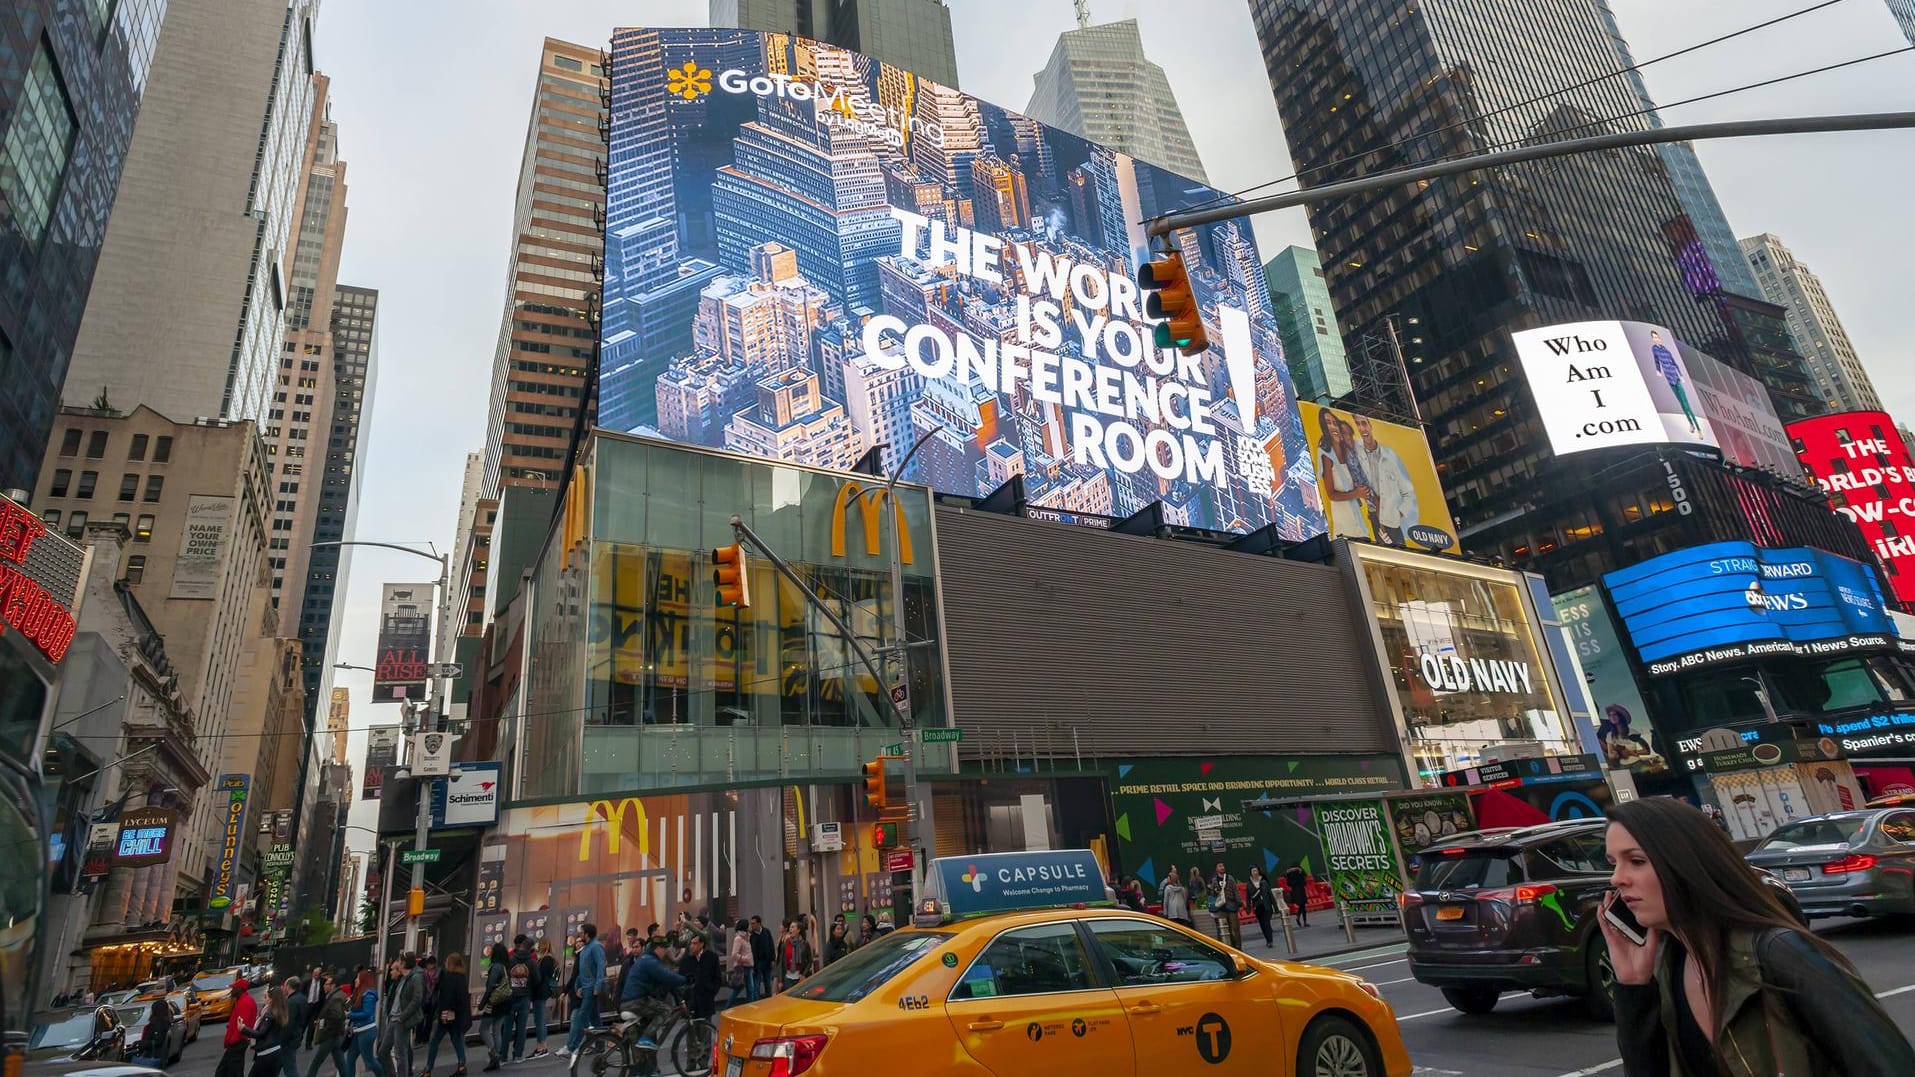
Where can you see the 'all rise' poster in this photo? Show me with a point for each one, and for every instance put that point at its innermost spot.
(810, 255)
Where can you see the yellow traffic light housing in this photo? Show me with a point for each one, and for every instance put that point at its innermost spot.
(1168, 297)
(415, 902)
(731, 577)
(874, 791)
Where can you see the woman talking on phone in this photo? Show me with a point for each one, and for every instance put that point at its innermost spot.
(1712, 974)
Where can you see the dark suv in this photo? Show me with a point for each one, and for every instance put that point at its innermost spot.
(1512, 909)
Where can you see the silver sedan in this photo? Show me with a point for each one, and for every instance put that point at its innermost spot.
(1854, 863)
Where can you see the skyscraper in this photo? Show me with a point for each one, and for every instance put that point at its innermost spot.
(1479, 255)
(303, 400)
(1100, 85)
(69, 94)
(1904, 12)
(911, 34)
(1840, 380)
(1312, 344)
(353, 375)
(187, 312)
(540, 367)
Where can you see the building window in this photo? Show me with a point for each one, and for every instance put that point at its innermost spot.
(61, 480)
(70, 443)
(567, 63)
(51, 518)
(137, 449)
(96, 445)
(143, 530)
(162, 449)
(136, 569)
(39, 141)
(153, 485)
(75, 524)
(88, 479)
(129, 486)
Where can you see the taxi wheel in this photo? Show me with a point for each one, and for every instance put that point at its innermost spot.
(1337, 1047)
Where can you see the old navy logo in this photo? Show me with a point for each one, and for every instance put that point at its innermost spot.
(1453, 674)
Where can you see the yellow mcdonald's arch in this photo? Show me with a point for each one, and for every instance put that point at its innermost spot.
(614, 816)
(872, 507)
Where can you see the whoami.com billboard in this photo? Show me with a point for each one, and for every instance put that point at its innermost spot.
(1599, 384)
(810, 254)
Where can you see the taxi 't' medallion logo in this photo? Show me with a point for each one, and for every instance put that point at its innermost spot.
(689, 82)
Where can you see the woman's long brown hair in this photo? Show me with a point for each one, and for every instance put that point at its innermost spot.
(1708, 890)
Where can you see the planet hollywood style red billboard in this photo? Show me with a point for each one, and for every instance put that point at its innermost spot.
(1860, 461)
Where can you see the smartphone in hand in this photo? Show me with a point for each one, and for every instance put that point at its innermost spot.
(1623, 920)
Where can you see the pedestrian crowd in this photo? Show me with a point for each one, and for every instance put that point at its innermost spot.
(1220, 896)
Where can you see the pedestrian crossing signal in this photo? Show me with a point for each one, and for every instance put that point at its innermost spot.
(730, 577)
(1166, 283)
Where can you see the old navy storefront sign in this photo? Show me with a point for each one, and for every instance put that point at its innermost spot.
(1006, 882)
(1728, 601)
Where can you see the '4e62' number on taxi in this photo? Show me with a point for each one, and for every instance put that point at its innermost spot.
(914, 1002)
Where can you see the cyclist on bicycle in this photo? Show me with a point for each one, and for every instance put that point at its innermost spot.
(648, 994)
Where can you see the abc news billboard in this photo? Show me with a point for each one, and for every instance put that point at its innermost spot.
(810, 254)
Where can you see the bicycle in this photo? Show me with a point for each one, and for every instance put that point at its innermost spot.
(613, 1051)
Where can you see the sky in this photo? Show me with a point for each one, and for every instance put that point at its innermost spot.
(432, 99)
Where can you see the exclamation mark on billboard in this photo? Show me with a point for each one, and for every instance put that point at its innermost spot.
(1239, 364)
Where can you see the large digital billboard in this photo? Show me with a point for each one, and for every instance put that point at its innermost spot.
(1742, 416)
(1859, 460)
(1727, 601)
(1600, 384)
(1377, 480)
(810, 254)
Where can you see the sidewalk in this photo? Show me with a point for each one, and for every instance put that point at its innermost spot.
(1323, 938)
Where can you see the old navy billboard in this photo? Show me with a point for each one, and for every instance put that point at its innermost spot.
(810, 254)
(1727, 601)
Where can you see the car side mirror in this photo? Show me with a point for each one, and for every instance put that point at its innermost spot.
(1241, 963)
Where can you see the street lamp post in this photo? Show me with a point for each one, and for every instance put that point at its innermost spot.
(433, 701)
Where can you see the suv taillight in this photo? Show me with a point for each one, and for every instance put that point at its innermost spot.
(789, 1055)
(1851, 863)
(1408, 898)
(1527, 894)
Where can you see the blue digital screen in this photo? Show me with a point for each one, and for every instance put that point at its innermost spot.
(142, 842)
(1727, 601)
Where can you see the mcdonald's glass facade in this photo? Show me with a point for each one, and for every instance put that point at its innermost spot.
(637, 680)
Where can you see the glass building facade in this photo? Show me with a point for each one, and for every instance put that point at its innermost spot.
(71, 77)
(1366, 86)
(1312, 343)
(636, 679)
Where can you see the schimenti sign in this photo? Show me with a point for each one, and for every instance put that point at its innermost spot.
(817, 253)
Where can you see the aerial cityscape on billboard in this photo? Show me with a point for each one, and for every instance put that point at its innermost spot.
(810, 254)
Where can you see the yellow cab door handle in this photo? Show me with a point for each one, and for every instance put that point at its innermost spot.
(985, 1026)
(1146, 1008)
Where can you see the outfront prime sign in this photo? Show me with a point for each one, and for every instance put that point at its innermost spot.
(1601, 384)
(1727, 601)
(810, 254)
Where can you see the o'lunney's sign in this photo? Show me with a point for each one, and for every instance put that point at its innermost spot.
(1448, 673)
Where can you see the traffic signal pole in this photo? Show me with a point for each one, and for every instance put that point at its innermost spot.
(1695, 132)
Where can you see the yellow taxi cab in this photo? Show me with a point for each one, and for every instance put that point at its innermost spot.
(215, 991)
(1018, 964)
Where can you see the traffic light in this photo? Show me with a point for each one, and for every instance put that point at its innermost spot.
(415, 902)
(874, 791)
(885, 836)
(1168, 296)
(731, 577)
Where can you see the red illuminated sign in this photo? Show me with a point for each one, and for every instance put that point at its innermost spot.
(1859, 460)
(25, 606)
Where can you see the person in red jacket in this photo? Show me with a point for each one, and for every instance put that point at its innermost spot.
(232, 1063)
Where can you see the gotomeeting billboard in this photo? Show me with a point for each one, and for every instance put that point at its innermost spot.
(810, 253)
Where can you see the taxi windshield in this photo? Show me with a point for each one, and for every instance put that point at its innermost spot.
(868, 968)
